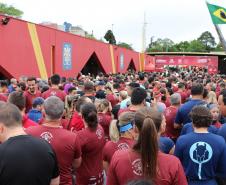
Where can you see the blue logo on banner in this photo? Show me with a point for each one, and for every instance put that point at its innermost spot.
(67, 56)
(121, 61)
(200, 153)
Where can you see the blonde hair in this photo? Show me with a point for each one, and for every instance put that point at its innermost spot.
(102, 105)
(123, 94)
(212, 98)
(124, 119)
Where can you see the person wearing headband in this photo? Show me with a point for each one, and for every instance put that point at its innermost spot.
(122, 136)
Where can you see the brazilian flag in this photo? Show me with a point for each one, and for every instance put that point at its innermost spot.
(218, 14)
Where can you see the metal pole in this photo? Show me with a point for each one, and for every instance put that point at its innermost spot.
(221, 37)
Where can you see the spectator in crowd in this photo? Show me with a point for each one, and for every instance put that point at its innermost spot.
(123, 134)
(24, 159)
(92, 143)
(125, 103)
(214, 110)
(35, 114)
(145, 160)
(170, 115)
(31, 93)
(202, 154)
(89, 91)
(104, 116)
(68, 152)
(100, 92)
(54, 89)
(212, 98)
(182, 116)
(13, 85)
(18, 99)
(138, 100)
(181, 91)
(4, 88)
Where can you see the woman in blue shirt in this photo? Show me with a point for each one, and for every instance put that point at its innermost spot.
(202, 154)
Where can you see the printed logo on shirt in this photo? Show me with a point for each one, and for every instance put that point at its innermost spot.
(137, 167)
(53, 93)
(47, 136)
(200, 153)
(99, 133)
(123, 146)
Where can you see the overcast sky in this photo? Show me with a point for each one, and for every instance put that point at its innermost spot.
(178, 20)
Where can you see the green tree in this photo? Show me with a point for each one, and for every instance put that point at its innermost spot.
(109, 36)
(219, 47)
(10, 10)
(207, 40)
(161, 45)
(196, 46)
(182, 46)
(125, 45)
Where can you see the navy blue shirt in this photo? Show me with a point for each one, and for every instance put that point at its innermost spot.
(165, 144)
(222, 131)
(188, 128)
(202, 156)
(182, 116)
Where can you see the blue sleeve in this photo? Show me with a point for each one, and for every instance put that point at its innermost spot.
(165, 144)
(178, 152)
(213, 129)
(183, 130)
(170, 144)
(221, 167)
(179, 117)
(222, 132)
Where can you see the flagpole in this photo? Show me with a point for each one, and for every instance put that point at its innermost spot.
(221, 37)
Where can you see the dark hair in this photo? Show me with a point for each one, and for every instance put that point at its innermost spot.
(138, 96)
(205, 93)
(88, 87)
(22, 85)
(141, 76)
(31, 78)
(197, 89)
(181, 85)
(147, 121)
(18, 99)
(201, 116)
(10, 115)
(3, 83)
(81, 101)
(116, 86)
(55, 79)
(71, 89)
(140, 182)
(133, 85)
(89, 113)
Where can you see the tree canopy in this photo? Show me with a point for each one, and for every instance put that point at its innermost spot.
(109, 37)
(204, 43)
(125, 45)
(10, 10)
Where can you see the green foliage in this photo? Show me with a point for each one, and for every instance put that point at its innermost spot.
(109, 37)
(205, 43)
(125, 45)
(10, 10)
(207, 40)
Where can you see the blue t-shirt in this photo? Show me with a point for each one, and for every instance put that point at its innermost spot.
(202, 156)
(35, 115)
(222, 131)
(188, 128)
(182, 116)
(165, 144)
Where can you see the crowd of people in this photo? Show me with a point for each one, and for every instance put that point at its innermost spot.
(141, 128)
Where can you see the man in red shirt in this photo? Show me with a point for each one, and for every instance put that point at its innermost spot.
(54, 89)
(64, 143)
(31, 93)
(170, 115)
(181, 91)
(18, 99)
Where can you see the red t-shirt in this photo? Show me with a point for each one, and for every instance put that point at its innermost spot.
(30, 97)
(105, 120)
(183, 95)
(170, 115)
(125, 110)
(126, 166)
(92, 144)
(54, 92)
(111, 147)
(65, 145)
(3, 98)
(113, 99)
(28, 122)
(76, 123)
